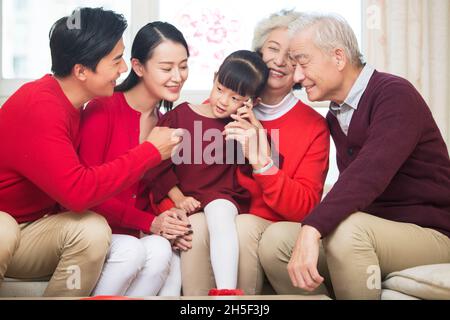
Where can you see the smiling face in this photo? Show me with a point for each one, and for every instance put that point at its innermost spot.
(317, 71)
(102, 81)
(224, 102)
(165, 73)
(275, 53)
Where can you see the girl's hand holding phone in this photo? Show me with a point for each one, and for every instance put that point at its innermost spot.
(246, 112)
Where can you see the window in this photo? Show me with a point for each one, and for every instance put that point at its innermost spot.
(25, 29)
(214, 29)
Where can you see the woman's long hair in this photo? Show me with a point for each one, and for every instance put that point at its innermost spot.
(144, 44)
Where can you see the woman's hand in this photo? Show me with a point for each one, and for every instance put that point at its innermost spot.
(188, 204)
(246, 134)
(183, 243)
(244, 130)
(170, 224)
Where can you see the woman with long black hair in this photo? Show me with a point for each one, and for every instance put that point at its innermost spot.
(111, 127)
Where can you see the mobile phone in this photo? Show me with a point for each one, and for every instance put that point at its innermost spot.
(250, 102)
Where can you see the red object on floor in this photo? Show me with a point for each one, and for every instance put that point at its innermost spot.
(225, 292)
(98, 298)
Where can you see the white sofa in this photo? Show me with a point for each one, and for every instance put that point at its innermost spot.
(425, 282)
(12, 288)
(430, 282)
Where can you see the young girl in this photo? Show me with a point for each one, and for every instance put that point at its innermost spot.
(205, 179)
(111, 127)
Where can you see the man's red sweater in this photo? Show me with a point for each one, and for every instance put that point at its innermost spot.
(291, 191)
(39, 167)
(110, 128)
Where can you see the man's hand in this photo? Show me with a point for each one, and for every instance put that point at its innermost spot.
(302, 267)
(165, 140)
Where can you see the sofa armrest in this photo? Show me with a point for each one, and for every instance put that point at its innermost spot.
(430, 282)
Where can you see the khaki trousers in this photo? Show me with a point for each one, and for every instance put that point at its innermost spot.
(364, 243)
(196, 270)
(275, 250)
(360, 245)
(69, 247)
(197, 274)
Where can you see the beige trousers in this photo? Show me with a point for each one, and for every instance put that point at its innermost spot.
(364, 242)
(196, 270)
(361, 245)
(275, 250)
(69, 247)
(198, 277)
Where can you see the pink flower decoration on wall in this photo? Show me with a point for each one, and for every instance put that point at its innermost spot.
(210, 33)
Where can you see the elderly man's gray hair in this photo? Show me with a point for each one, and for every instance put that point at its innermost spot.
(331, 31)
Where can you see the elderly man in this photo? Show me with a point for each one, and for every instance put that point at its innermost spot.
(390, 208)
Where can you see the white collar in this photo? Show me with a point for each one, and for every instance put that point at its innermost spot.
(266, 112)
(357, 91)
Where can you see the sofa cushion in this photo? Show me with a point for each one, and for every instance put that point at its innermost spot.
(11, 288)
(395, 295)
(431, 282)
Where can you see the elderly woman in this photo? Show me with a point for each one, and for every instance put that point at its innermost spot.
(286, 183)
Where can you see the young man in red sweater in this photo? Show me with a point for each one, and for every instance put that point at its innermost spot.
(390, 208)
(44, 189)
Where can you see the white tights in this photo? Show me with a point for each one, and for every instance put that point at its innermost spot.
(224, 247)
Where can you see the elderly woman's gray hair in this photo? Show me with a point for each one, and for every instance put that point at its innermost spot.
(331, 31)
(277, 20)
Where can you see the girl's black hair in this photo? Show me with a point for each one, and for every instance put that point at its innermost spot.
(244, 72)
(147, 39)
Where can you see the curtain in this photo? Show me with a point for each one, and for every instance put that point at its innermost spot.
(410, 38)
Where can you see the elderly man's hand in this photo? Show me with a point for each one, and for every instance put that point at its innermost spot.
(302, 267)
